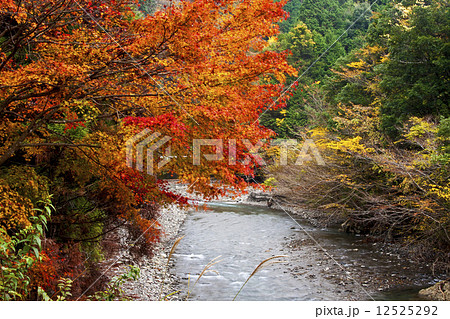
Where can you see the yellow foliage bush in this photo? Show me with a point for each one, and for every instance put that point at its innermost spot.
(350, 145)
(26, 182)
(15, 210)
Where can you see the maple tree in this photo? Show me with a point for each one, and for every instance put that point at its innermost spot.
(81, 77)
(194, 64)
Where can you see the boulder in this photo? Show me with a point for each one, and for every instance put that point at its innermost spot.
(439, 291)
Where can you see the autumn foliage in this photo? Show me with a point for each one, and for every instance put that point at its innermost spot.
(79, 78)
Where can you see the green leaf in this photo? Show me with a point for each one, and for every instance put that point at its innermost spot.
(36, 252)
(38, 241)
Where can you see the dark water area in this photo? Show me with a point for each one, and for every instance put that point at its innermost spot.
(321, 264)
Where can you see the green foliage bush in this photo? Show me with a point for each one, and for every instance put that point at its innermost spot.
(19, 252)
(444, 135)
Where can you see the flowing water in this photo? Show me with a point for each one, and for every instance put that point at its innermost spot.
(244, 235)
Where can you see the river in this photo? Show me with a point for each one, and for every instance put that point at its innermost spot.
(321, 264)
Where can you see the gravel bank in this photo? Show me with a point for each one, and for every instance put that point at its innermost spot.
(152, 278)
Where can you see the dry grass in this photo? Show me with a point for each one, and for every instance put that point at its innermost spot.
(205, 270)
(172, 250)
(265, 263)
